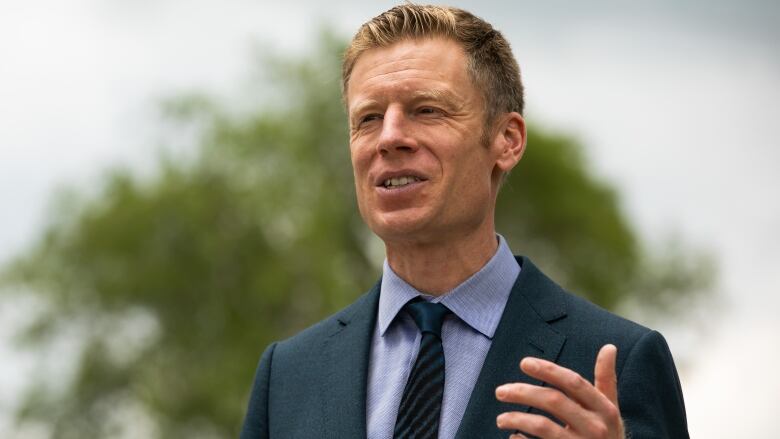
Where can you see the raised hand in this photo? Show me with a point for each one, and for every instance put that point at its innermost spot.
(586, 410)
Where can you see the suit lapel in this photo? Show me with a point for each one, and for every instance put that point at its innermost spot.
(524, 330)
(345, 369)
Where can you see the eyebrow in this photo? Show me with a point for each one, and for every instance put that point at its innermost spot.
(449, 99)
(361, 106)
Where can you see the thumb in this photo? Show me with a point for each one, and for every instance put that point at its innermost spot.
(606, 379)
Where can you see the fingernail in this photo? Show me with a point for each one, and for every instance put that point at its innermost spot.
(531, 364)
(500, 420)
(501, 391)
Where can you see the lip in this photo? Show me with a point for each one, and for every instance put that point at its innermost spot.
(379, 181)
(397, 194)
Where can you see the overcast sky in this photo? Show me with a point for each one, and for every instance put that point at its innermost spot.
(677, 103)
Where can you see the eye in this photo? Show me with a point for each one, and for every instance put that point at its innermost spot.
(428, 111)
(369, 118)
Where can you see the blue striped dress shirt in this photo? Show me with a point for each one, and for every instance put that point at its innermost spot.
(477, 305)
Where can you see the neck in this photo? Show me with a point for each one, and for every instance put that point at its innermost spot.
(438, 267)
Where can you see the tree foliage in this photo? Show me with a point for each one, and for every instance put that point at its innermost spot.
(174, 283)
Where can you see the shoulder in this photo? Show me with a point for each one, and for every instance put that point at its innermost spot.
(570, 314)
(592, 321)
(585, 326)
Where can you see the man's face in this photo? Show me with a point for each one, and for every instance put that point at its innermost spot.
(421, 171)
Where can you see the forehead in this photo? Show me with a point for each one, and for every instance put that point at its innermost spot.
(409, 65)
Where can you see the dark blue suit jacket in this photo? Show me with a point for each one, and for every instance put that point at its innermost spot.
(313, 385)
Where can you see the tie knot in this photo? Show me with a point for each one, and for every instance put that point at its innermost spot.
(428, 316)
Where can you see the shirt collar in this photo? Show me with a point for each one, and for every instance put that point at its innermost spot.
(479, 300)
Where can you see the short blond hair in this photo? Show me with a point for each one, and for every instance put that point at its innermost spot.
(490, 63)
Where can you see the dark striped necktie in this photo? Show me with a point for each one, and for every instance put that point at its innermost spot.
(420, 409)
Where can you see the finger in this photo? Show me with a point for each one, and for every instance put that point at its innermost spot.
(549, 400)
(606, 379)
(568, 381)
(536, 425)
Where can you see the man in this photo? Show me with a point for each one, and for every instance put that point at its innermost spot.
(459, 338)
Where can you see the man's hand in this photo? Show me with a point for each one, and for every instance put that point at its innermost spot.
(586, 410)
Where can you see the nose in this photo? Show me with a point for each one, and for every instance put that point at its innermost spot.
(396, 135)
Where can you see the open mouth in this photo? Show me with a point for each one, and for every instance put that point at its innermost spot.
(398, 182)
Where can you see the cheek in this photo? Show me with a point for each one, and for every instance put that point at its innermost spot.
(360, 161)
(473, 174)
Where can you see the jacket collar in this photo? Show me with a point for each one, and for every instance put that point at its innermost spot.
(524, 330)
(345, 367)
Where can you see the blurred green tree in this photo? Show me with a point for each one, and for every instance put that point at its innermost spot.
(172, 284)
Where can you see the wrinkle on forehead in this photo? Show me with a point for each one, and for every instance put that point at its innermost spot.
(404, 61)
(406, 51)
(401, 77)
(410, 66)
(420, 68)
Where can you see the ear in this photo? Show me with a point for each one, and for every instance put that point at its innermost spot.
(510, 141)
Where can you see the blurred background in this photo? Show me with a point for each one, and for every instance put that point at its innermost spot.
(175, 193)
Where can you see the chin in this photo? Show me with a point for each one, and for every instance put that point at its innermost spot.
(399, 226)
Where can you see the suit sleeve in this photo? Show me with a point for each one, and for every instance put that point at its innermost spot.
(256, 420)
(649, 392)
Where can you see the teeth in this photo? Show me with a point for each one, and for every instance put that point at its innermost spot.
(400, 181)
